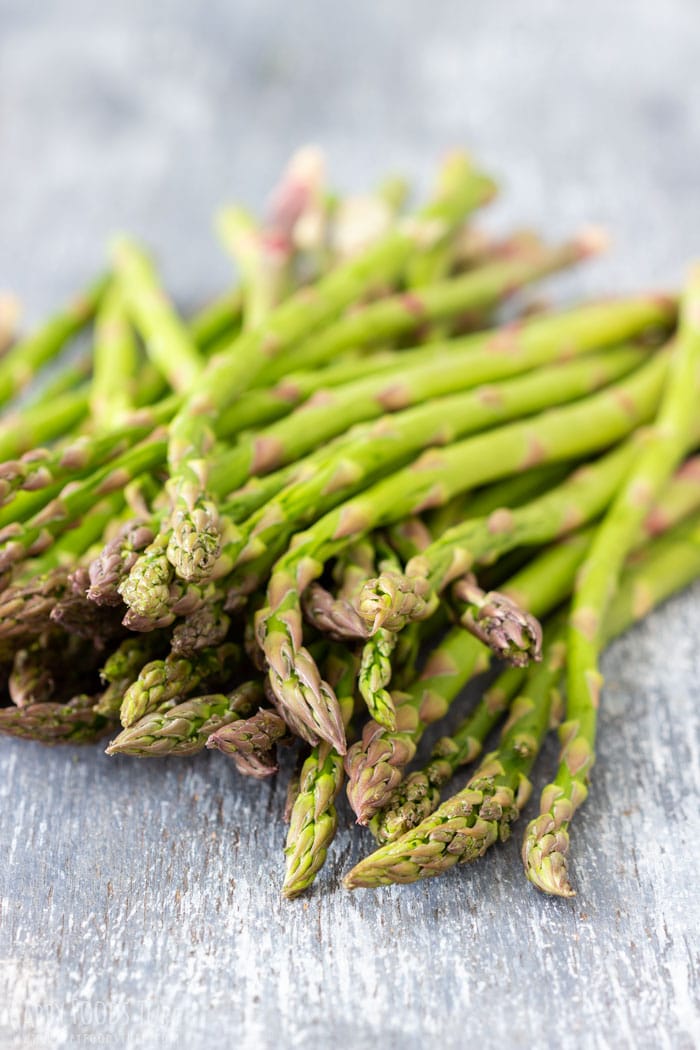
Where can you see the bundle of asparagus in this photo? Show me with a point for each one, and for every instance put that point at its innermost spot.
(319, 507)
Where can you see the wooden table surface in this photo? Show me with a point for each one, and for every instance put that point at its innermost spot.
(139, 901)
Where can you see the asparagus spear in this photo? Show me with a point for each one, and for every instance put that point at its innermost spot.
(252, 743)
(203, 628)
(375, 663)
(22, 362)
(290, 438)
(402, 313)
(262, 262)
(547, 838)
(217, 319)
(313, 818)
(115, 362)
(74, 722)
(25, 610)
(116, 559)
(23, 431)
(228, 374)
(24, 539)
(122, 667)
(183, 729)
(559, 434)
(168, 342)
(578, 499)
(419, 794)
(163, 680)
(375, 764)
(465, 826)
(545, 581)
(369, 451)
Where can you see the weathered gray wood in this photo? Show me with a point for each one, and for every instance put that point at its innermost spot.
(139, 900)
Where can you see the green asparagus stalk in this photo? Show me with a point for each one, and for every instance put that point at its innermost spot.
(74, 722)
(183, 729)
(168, 342)
(541, 586)
(25, 609)
(33, 426)
(313, 819)
(375, 764)
(556, 435)
(163, 680)
(499, 622)
(115, 362)
(465, 826)
(419, 794)
(375, 675)
(115, 561)
(547, 838)
(262, 260)
(217, 320)
(61, 382)
(228, 374)
(371, 450)
(402, 313)
(481, 540)
(252, 743)
(21, 364)
(25, 539)
(205, 627)
(375, 663)
(78, 540)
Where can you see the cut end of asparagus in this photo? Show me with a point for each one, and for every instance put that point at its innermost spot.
(593, 240)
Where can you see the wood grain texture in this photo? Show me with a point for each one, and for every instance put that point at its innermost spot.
(139, 901)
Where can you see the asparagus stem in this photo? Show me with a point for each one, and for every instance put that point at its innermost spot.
(168, 342)
(164, 680)
(498, 622)
(74, 722)
(379, 759)
(402, 313)
(20, 365)
(463, 827)
(663, 567)
(313, 818)
(21, 540)
(546, 844)
(559, 434)
(371, 450)
(115, 362)
(481, 540)
(228, 374)
(419, 794)
(183, 729)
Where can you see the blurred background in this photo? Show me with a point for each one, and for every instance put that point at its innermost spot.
(146, 116)
(155, 932)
